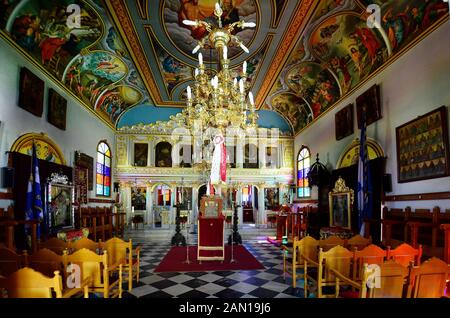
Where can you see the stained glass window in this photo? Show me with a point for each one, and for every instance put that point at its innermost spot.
(103, 171)
(303, 166)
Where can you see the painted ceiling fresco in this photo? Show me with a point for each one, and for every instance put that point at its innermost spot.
(162, 45)
(88, 58)
(338, 51)
(305, 56)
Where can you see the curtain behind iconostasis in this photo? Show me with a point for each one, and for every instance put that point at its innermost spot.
(22, 167)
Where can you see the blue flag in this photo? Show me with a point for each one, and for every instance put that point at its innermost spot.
(364, 193)
(33, 206)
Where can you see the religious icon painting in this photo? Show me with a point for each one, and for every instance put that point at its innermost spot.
(31, 92)
(369, 104)
(139, 198)
(57, 109)
(423, 147)
(344, 122)
(140, 154)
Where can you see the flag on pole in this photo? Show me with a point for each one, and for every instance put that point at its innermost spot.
(364, 193)
(33, 208)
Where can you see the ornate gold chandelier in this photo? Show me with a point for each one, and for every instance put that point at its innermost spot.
(221, 101)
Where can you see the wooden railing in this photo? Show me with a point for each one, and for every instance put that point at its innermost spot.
(102, 222)
(446, 229)
(8, 226)
(421, 227)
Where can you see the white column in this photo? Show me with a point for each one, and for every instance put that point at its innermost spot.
(194, 208)
(130, 151)
(253, 197)
(149, 207)
(262, 154)
(154, 203)
(127, 203)
(239, 153)
(173, 210)
(240, 209)
(152, 152)
(149, 153)
(261, 219)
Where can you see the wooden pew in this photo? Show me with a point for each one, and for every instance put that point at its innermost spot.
(8, 226)
(446, 229)
(394, 225)
(119, 223)
(419, 227)
(102, 222)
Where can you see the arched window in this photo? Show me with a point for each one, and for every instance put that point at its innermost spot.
(303, 165)
(103, 175)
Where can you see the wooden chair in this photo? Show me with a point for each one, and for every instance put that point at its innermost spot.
(405, 254)
(10, 261)
(85, 243)
(28, 283)
(372, 254)
(339, 259)
(307, 247)
(56, 245)
(359, 286)
(96, 268)
(358, 242)
(120, 251)
(391, 277)
(47, 262)
(429, 279)
(331, 242)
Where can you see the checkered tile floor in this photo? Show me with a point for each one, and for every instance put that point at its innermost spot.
(267, 283)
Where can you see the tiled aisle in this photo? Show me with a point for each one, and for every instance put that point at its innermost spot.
(267, 283)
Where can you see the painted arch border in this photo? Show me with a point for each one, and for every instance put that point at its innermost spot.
(22, 140)
(374, 150)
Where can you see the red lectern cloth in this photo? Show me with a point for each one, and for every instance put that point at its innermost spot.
(211, 232)
(210, 239)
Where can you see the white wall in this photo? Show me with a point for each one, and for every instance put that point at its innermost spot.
(413, 85)
(83, 129)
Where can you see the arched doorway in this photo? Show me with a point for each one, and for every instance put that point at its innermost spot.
(249, 204)
(161, 198)
(201, 194)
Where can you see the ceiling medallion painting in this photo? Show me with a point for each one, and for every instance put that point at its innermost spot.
(40, 28)
(315, 83)
(403, 20)
(86, 59)
(114, 102)
(174, 72)
(347, 46)
(185, 37)
(87, 75)
(294, 108)
(339, 51)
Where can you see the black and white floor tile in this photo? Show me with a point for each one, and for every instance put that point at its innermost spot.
(266, 283)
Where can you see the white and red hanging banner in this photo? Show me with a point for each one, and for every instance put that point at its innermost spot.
(219, 162)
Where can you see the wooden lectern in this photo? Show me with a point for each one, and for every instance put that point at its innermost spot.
(211, 227)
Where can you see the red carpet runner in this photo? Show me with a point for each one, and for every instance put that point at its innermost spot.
(174, 261)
